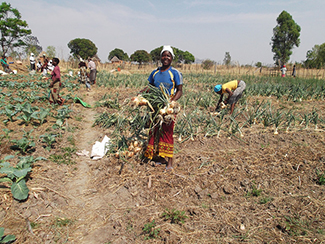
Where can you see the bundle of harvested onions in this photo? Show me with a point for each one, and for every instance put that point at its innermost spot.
(134, 148)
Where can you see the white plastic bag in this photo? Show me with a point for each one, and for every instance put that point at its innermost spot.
(100, 148)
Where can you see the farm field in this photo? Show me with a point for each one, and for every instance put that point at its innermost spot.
(257, 176)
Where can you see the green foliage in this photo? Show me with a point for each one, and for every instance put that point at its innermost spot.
(320, 178)
(140, 56)
(119, 53)
(150, 230)
(32, 45)
(62, 222)
(50, 51)
(49, 139)
(65, 157)
(175, 216)
(265, 200)
(29, 113)
(24, 143)
(207, 64)
(315, 58)
(12, 28)
(6, 238)
(155, 54)
(17, 175)
(285, 36)
(83, 48)
(254, 192)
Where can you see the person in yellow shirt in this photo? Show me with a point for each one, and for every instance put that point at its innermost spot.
(234, 88)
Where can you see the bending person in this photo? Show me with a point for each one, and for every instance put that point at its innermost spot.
(234, 89)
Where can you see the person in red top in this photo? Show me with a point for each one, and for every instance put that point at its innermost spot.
(55, 84)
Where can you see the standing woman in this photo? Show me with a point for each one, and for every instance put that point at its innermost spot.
(93, 71)
(172, 80)
(55, 84)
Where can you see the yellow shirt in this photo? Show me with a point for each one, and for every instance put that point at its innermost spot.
(231, 85)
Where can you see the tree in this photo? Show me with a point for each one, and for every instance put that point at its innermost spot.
(32, 45)
(188, 57)
(83, 48)
(119, 53)
(227, 59)
(207, 64)
(155, 54)
(315, 58)
(140, 56)
(285, 36)
(50, 51)
(12, 28)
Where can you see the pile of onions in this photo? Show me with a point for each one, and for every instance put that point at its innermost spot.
(172, 108)
(134, 148)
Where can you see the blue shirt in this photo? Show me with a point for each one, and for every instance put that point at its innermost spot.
(170, 78)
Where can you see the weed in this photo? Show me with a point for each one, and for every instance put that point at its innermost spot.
(320, 178)
(71, 140)
(265, 200)
(62, 222)
(254, 192)
(175, 216)
(64, 158)
(149, 229)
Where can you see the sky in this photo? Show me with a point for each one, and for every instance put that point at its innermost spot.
(206, 28)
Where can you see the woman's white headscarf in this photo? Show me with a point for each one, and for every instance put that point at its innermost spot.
(167, 48)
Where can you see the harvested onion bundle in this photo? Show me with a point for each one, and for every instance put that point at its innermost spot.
(134, 147)
(140, 101)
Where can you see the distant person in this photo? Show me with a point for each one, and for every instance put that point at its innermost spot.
(32, 61)
(55, 84)
(50, 66)
(83, 75)
(234, 88)
(294, 71)
(44, 65)
(5, 65)
(38, 66)
(283, 71)
(93, 71)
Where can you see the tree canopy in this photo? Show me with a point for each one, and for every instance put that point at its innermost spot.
(180, 56)
(315, 58)
(83, 48)
(32, 45)
(285, 36)
(140, 56)
(12, 28)
(50, 51)
(119, 53)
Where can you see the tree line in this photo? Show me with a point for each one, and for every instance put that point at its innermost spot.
(16, 39)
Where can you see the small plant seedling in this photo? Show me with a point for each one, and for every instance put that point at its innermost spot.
(320, 178)
(150, 230)
(49, 139)
(265, 200)
(175, 216)
(254, 192)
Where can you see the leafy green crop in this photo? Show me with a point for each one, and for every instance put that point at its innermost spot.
(6, 238)
(29, 113)
(17, 175)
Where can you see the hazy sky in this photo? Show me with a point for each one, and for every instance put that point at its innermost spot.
(205, 28)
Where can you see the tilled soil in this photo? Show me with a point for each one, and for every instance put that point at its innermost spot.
(262, 188)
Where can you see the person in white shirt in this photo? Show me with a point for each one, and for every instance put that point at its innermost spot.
(32, 61)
